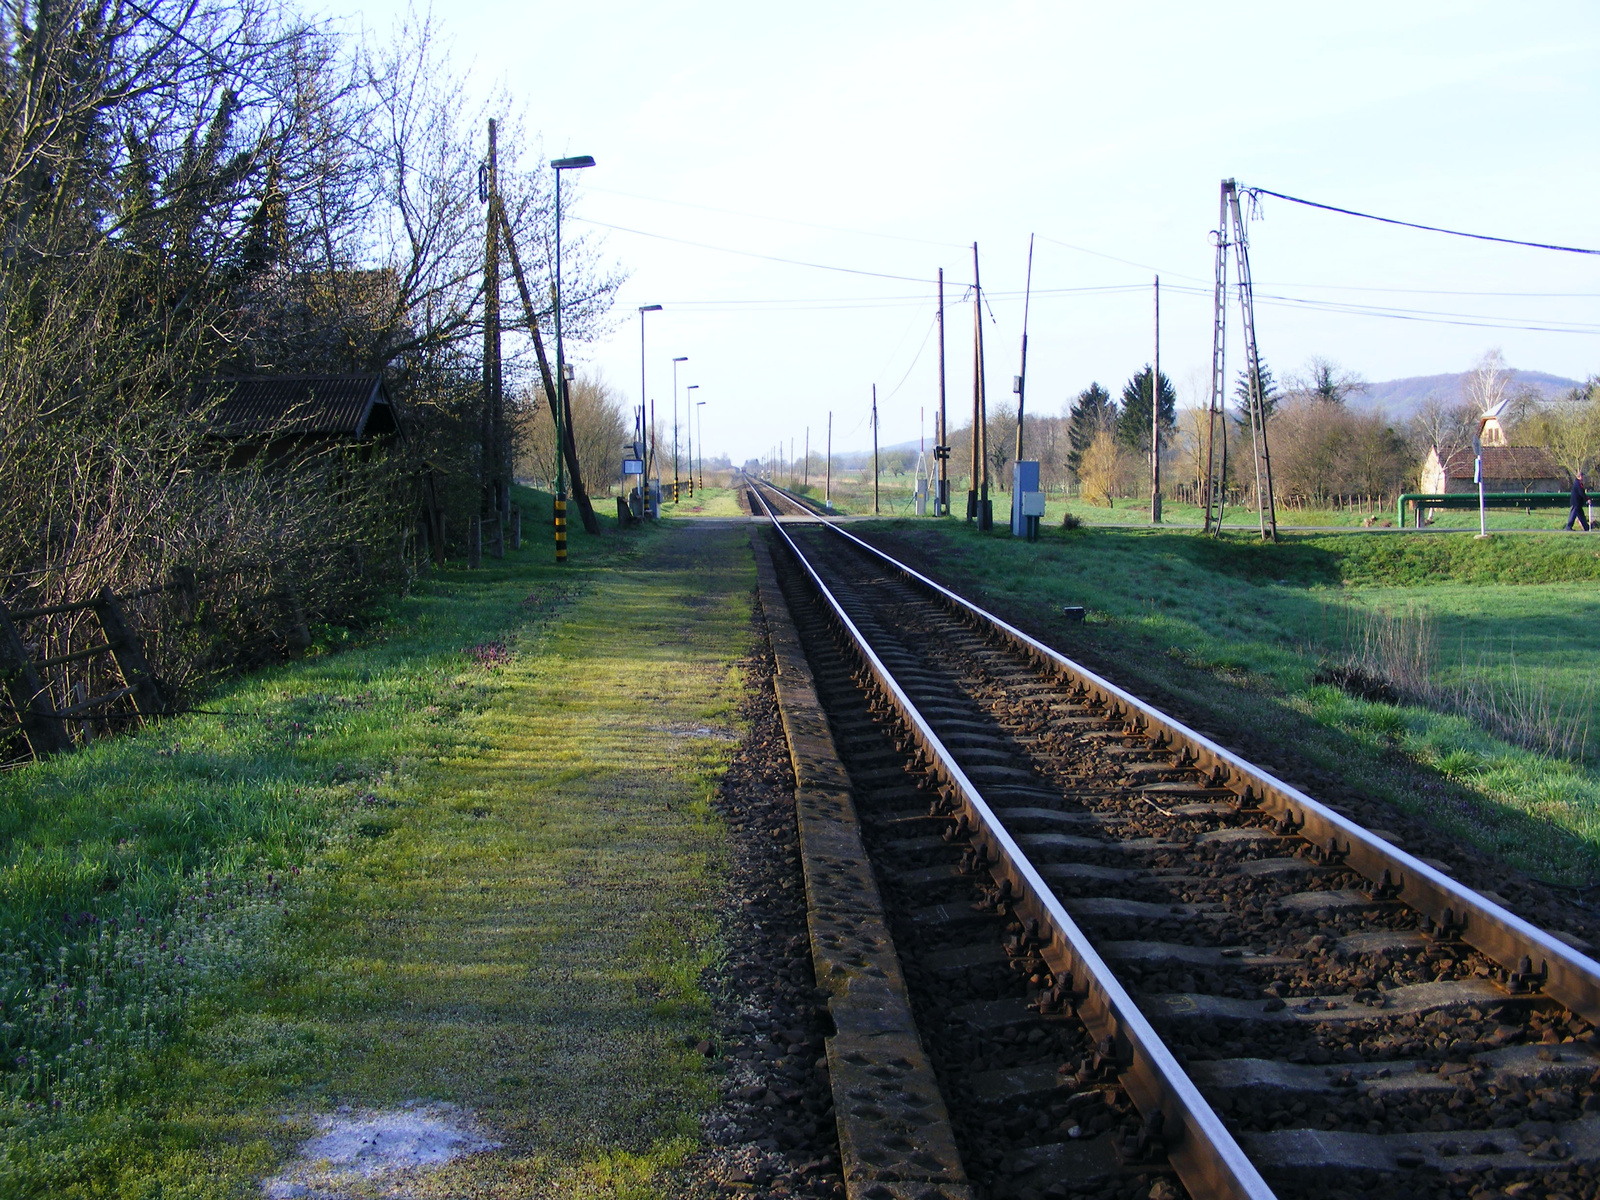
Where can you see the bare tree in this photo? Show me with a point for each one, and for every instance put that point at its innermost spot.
(1442, 425)
(1326, 382)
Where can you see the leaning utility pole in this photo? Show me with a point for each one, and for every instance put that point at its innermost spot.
(562, 415)
(1155, 417)
(874, 449)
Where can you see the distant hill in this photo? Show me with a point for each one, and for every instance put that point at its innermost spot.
(1399, 398)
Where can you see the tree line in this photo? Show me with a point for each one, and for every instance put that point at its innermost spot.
(192, 190)
(1325, 450)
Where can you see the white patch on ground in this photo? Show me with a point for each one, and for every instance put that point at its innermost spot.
(357, 1146)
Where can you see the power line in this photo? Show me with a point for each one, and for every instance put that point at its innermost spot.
(1255, 193)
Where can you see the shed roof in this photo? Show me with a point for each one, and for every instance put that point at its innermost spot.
(1506, 462)
(352, 406)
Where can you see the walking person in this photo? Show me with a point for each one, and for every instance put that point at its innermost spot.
(1580, 500)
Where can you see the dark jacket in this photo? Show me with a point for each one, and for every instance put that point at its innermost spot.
(1580, 497)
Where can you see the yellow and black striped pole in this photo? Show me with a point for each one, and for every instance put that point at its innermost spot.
(561, 527)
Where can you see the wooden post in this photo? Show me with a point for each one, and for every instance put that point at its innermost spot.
(499, 536)
(827, 488)
(45, 733)
(474, 543)
(129, 656)
(516, 527)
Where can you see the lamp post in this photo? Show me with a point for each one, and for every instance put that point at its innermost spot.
(688, 408)
(559, 165)
(643, 308)
(675, 362)
(698, 405)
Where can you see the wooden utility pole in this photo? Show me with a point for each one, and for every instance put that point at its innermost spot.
(569, 446)
(493, 422)
(941, 441)
(827, 488)
(1155, 417)
(805, 471)
(874, 449)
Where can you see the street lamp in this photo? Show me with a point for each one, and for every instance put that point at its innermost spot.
(675, 362)
(698, 405)
(643, 308)
(686, 399)
(560, 165)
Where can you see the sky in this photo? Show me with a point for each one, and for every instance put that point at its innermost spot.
(878, 141)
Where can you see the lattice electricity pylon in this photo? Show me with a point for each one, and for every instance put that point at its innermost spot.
(1231, 222)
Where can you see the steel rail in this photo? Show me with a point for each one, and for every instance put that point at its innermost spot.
(1205, 1155)
(1534, 961)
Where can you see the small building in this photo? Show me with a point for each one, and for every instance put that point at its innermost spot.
(1506, 468)
(289, 414)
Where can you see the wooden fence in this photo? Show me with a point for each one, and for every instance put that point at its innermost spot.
(74, 670)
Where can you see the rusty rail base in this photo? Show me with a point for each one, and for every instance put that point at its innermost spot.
(895, 1138)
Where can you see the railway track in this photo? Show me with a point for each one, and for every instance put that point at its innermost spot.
(1139, 963)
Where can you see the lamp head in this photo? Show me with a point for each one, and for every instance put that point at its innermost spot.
(685, 358)
(572, 164)
(644, 308)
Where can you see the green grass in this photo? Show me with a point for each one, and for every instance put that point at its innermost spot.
(492, 864)
(1237, 629)
(710, 501)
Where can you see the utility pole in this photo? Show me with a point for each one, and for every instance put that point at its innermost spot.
(1022, 378)
(1216, 408)
(1266, 505)
(977, 375)
(1155, 417)
(874, 449)
(941, 440)
(980, 400)
(805, 471)
(493, 423)
(791, 462)
(827, 488)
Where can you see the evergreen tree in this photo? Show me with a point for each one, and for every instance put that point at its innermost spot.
(1092, 411)
(1269, 394)
(1133, 425)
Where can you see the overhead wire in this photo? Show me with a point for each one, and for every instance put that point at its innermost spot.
(1256, 192)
